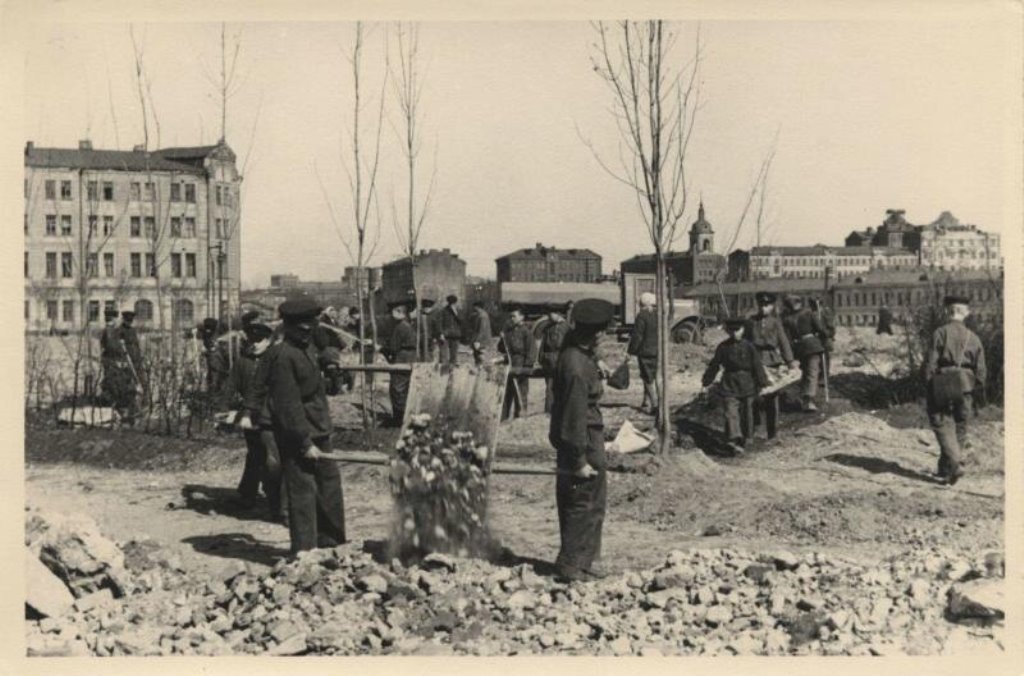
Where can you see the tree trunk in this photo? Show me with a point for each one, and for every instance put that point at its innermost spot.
(662, 301)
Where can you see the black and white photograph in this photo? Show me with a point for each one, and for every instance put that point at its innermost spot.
(394, 333)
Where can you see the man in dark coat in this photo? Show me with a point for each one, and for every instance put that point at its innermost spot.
(401, 349)
(643, 344)
(884, 321)
(119, 380)
(808, 336)
(958, 350)
(297, 403)
(481, 335)
(743, 377)
(828, 321)
(768, 335)
(329, 346)
(262, 459)
(551, 342)
(519, 347)
(577, 433)
(449, 331)
(216, 355)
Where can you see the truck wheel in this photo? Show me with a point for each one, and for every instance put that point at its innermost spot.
(685, 331)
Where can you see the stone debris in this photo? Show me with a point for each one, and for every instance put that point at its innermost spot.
(72, 547)
(46, 594)
(703, 602)
(981, 599)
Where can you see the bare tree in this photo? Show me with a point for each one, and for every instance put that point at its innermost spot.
(362, 182)
(407, 80)
(655, 105)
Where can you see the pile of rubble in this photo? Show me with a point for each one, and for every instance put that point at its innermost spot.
(439, 485)
(708, 602)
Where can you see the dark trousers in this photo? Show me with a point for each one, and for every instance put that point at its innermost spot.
(450, 351)
(769, 408)
(950, 426)
(316, 505)
(549, 393)
(648, 367)
(517, 391)
(263, 466)
(739, 418)
(581, 508)
(810, 370)
(398, 390)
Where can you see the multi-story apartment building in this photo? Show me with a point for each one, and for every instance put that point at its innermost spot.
(438, 274)
(946, 244)
(157, 232)
(819, 261)
(549, 264)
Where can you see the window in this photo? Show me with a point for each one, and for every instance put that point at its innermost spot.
(94, 310)
(108, 225)
(150, 227)
(51, 225)
(228, 201)
(134, 191)
(184, 311)
(175, 265)
(149, 192)
(219, 231)
(175, 192)
(51, 310)
(51, 190)
(176, 227)
(150, 265)
(68, 311)
(108, 191)
(136, 265)
(190, 192)
(26, 264)
(109, 306)
(51, 265)
(65, 190)
(190, 265)
(92, 191)
(66, 269)
(190, 227)
(92, 264)
(144, 310)
(136, 227)
(219, 201)
(93, 221)
(108, 264)
(65, 225)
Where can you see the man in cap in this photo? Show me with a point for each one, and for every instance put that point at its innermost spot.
(215, 354)
(828, 321)
(742, 378)
(955, 371)
(551, 341)
(480, 335)
(643, 344)
(884, 321)
(808, 336)
(769, 337)
(262, 460)
(577, 433)
(401, 349)
(118, 384)
(249, 317)
(297, 403)
(520, 349)
(449, 330)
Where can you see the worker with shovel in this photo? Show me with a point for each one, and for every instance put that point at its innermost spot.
(577, 433)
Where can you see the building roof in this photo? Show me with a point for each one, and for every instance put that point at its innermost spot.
(432, 253)
(541, 251)
(186, 160)
(812, 284)
(822, 250)
(672, 256)
(895, 221)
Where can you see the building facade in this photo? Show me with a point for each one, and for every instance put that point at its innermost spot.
(819, 261)
(364, 279)
(157, 232)
(947, 244)
(438, 274)
(549, 264)
(697, 265)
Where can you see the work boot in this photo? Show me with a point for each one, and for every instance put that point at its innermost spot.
(566, 574)
(954, 477)
(809, 406)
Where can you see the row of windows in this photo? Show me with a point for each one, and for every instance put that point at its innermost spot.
(182, 310)
(182, 265)
(183, 228)
(138, 191)
(841, 261)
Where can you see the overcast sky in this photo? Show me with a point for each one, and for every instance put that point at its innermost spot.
(872, 115)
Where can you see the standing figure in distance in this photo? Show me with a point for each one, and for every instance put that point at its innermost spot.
(577, 434)
(118, 384)
(297, 403)
(808, 336)
(884, 321)
(521, 350)
(956, 374)
(481, 334)
(551, 343)
(450, 331)
(769, 337)
(401, 349)
(643, 344)
(743, 377)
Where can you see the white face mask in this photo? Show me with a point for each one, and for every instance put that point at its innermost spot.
(261, 346)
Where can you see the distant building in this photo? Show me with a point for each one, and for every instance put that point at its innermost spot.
(157, 232)
(946, 244)
(283, 281)
(438, 273)
(364, 278)
(810, 262)
(699, 264)
(549, 264)
(327, 293)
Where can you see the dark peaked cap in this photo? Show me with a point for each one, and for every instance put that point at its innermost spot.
(593, 312)
(296, 309)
